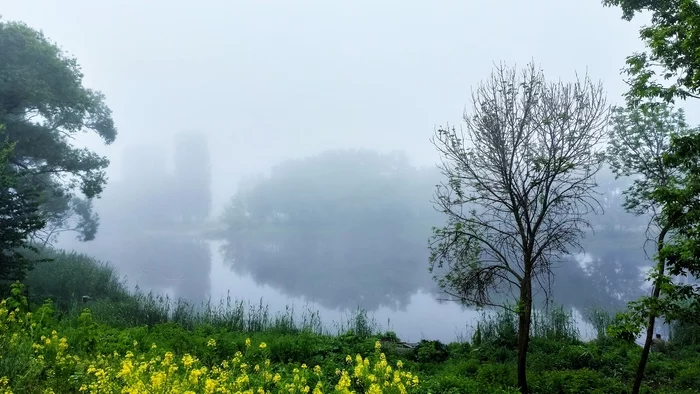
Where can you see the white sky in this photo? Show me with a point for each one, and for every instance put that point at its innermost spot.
(270, 80)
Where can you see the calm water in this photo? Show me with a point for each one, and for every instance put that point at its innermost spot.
(423, 318)
(173, 269)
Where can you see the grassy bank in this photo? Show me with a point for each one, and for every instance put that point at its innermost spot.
(146, 343)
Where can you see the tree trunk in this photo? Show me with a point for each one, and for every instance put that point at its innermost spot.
(649, 338)
(524, 320)
(652, 316)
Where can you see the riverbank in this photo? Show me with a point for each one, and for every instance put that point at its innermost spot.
(117, 331)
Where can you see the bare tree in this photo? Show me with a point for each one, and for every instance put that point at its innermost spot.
(520, 184)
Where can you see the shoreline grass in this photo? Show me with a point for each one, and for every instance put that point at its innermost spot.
(118, 320)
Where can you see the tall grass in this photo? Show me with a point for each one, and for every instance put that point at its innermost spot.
(554, 323)
(600, 319)
(70, 276)
(500, 328)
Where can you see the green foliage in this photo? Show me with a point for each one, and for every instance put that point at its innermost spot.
(431, 352)
(685, 335)
(680, 198)
(671, 40)
(554, 323)
(601, 320)
(573, 382)
(36, 359)
(638, 139)
(69, 276)
(19, 217)
(43, 104)
(556, 364)
(679, 255)
(520, 182)
(626, 326)
(654, 143)
(500, 329)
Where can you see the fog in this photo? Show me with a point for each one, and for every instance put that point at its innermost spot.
(317, 114)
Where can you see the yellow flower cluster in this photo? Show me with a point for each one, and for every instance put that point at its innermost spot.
(156, 371)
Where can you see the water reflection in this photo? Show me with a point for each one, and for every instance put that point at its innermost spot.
(144, 218)
(306, 236)
(422, 318)
(344, 229)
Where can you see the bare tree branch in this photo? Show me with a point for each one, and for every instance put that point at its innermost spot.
(520, 184)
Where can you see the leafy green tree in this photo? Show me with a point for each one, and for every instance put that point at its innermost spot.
(19, 217)
(43, 104)
(639, 139)
(679, 251)
(672, 40)
(520, 183)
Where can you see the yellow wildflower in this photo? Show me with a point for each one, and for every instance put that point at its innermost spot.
(187, 360)
(157, 379)
(127, 367)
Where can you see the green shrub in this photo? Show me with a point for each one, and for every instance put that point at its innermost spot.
(575, 357)
(431, 352)
(459, 350)
(575, 382)
(69, 276)
(684, 334)
(121, 321)
(688, 377)
(499, 375)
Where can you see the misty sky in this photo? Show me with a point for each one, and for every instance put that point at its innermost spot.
(271, 80)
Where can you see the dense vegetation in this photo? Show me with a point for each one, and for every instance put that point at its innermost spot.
(139, 341)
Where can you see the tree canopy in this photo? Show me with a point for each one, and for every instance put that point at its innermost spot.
(342, 228)
(677, 199)
(681, 200)
(646, 144)
(19, 217)
(520, 181)
(43, 105)
(672, 40)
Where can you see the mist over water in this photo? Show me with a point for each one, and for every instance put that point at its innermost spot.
(331, 248)
(266, 151)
